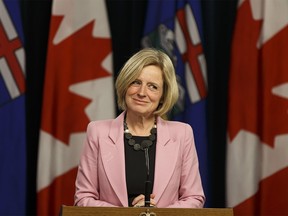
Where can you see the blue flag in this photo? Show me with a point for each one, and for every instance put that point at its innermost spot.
(12, 111)
(175, 27)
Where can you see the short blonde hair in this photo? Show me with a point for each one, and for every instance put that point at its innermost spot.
(132, 69)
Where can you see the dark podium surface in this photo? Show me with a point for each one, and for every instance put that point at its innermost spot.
(119, 211)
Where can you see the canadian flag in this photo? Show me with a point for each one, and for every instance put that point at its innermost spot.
(257, 162)
(78, 88)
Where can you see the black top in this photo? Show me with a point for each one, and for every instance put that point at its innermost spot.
(136, 171)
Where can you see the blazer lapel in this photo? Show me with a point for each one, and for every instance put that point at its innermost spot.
(166, 158)
(114, 159)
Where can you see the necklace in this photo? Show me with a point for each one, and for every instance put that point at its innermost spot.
(145, 143)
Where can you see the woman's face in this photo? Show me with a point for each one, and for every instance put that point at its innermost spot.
(144, 94)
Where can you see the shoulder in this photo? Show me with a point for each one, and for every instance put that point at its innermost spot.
(104, 127)
(99, 126)
(100, 123)
(177, 128)
(176, 125)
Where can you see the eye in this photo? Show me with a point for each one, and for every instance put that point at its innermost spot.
(136, 83)
(153, 87)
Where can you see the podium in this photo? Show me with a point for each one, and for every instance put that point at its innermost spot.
(125, 211)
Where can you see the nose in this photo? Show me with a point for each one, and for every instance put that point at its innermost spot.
(142, 91)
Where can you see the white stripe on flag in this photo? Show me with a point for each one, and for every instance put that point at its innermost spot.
(248, 154)
(7, 22)
(202, 62)
(191, 85)
(179, 37)
(56, 154)
(8, 79)
(192, 26)
(20, 55)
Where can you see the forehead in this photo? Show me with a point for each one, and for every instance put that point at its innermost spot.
(151, 73)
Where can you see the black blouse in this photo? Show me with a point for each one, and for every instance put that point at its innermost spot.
(136, 171)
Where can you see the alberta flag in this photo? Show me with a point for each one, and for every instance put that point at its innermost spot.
(175, 27)
(12, 111)
(78, 89)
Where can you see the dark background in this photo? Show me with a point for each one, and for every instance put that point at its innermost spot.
(127, 19)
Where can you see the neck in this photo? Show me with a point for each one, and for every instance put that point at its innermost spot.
(139, 125)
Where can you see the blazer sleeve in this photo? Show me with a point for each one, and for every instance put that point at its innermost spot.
(191, 194)
(87, 185)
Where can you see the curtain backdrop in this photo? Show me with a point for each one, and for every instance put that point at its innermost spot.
(218, 25)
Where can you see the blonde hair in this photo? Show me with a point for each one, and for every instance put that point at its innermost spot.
(134, 66)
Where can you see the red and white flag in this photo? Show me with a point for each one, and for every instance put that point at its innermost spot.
(78, 88)
(257, 160)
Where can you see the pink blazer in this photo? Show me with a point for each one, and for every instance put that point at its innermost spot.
(101, 173)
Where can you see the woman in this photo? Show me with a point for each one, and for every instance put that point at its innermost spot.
(120, 155)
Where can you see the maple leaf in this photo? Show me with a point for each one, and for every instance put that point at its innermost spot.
(254, 73)
(76, 59)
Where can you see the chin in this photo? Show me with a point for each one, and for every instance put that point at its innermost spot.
(140, 112)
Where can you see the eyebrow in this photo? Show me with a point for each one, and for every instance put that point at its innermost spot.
(154, 83)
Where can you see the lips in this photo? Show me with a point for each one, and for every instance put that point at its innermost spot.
(140, 101)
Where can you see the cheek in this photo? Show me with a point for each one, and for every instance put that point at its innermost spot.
(131, 90)
(160, 96)
(129, 94)
(156, 98)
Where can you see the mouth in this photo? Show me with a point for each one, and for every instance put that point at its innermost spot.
(139, 101)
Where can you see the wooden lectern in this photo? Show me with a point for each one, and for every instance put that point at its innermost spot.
(125, 211)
